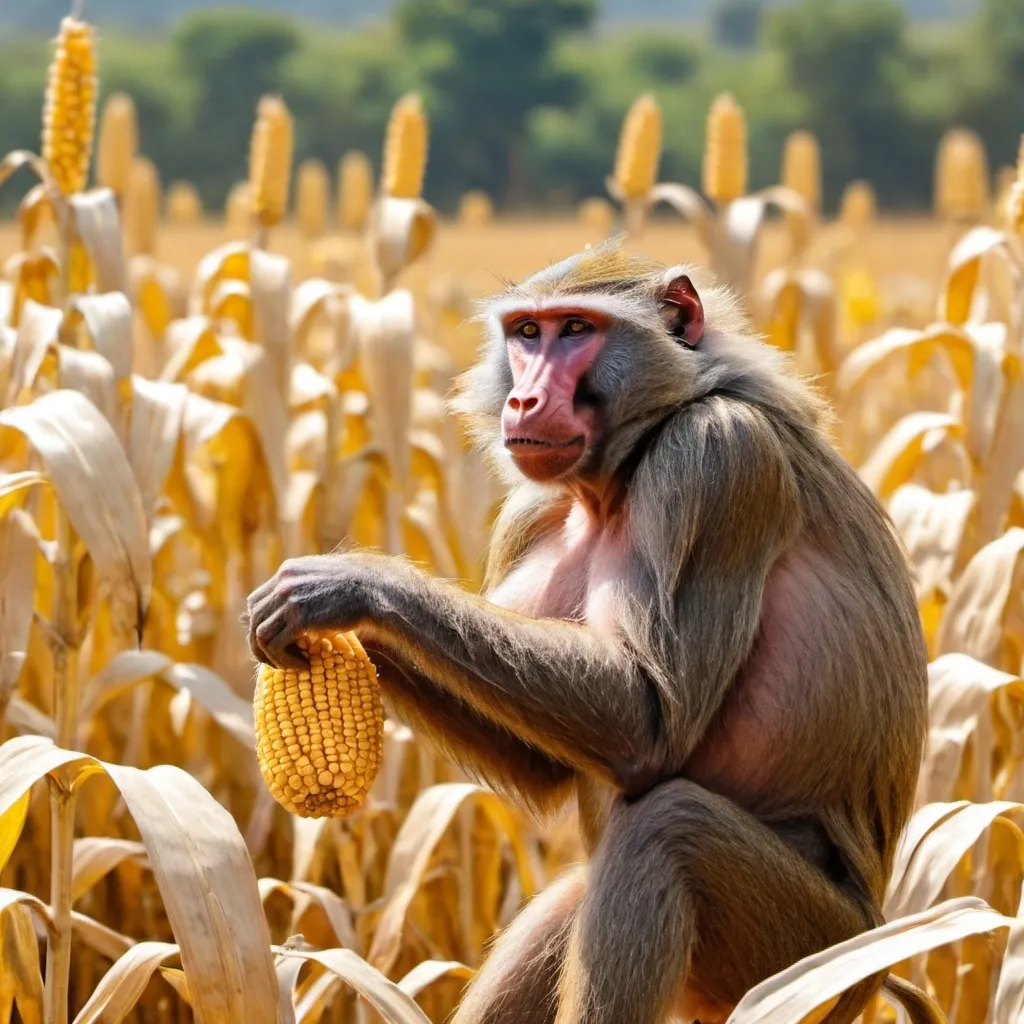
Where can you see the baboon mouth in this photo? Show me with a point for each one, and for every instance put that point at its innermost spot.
(538, 442)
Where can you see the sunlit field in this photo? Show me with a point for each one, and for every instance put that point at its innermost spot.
(189, 397)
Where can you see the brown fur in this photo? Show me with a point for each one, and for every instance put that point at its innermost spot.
(708, 638)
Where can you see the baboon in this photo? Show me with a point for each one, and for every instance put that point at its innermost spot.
(698, 623)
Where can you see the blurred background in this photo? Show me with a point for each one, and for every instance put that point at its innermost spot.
(526, 97)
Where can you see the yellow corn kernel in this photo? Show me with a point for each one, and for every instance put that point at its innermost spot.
(725, 151)
(320, 730)
(405, 149)
(69, 114)
(636, 162)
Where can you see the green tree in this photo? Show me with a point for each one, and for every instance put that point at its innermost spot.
(736, 24)
(849, 63)
(486, 64)
(233, 57)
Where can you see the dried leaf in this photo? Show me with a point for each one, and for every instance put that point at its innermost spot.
(788, 997)
(88, 469)
(383, 995)
(99, 227)
(122, 986)
(108, 319)
(893, 460)
(95, 857)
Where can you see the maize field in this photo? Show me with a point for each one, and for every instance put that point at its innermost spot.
(188, 397)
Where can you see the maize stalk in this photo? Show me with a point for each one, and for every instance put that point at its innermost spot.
(320, 731)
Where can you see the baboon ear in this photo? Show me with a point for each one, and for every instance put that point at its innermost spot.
(683, 311)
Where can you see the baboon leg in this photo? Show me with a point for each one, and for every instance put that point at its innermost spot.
(691, 902)
(518, 982)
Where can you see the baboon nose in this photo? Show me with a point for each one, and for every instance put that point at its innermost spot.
(525, 403)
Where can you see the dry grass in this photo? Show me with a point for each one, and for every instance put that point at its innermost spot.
(175, 422)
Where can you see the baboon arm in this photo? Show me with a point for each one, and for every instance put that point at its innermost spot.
(577, 698)
(481, 746)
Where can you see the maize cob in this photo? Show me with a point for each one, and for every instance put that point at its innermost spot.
(183, 203)
(238, 208)
(725, 151)
(142, 206)
(857, 206)
(270, 161)
(1015, 205)
(961, 176)
(475, 209)
(69, 115)
(320, 731)
(355, 190)
(801, 168)
(636, 162)
(312, 198)
(118, 142)
(597, 214)
(405, 149)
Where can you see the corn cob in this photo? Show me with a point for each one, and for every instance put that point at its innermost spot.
(142, 206)
(238, 208)
(961, 176)
(801, 168)
(857, 206)
(320, 731)
(405, 149)
(69, 115)
(1015, 205)
(312, 198)
(355, 190)
(475, 208)
(725, 151)
(183, 203)
(636, 161)
(597, 214)
(118, 142)
(270, 161)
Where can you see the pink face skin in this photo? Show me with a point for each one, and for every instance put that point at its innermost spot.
(549, 351)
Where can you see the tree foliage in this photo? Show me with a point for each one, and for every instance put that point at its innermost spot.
(525, 97)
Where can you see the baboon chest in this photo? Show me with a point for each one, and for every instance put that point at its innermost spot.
(566, 576)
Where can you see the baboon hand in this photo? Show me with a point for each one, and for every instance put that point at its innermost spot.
(314, 592)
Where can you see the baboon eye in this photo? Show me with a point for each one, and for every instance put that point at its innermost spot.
(529, 330)
(576, 326)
